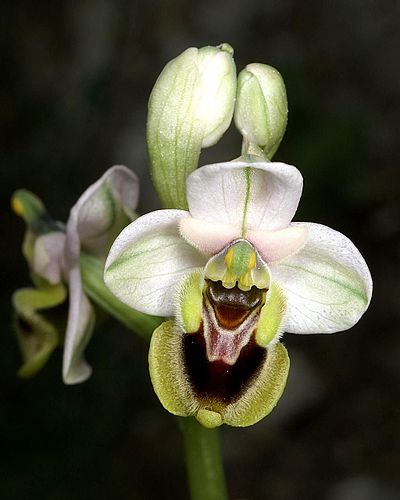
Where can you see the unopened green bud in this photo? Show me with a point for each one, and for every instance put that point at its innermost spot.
(261, 107)
(190, 108)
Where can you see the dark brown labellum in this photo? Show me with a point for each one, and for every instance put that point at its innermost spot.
(222, 358)
(216, 383)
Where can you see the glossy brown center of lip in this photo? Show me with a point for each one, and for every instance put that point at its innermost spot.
(232, 306)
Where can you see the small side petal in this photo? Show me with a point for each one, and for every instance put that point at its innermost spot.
(277, 245)
(327, 283)
(148, 260)
(247, 193)
(208, 237)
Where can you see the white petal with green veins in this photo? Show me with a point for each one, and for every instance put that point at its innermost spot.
(327, 284)
(148, 260)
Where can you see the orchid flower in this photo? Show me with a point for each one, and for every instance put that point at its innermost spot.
(53, 253)
(235, 273)
(38, 334)
(99, 215)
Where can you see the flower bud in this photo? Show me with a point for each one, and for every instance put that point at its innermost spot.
(217, 86)
(190, 107)
(261, 107)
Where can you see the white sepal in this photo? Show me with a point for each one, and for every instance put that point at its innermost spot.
(148, 260)
(327, 283)
(247, 193)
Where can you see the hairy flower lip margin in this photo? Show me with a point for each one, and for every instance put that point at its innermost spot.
(325, 280)
(171, 382)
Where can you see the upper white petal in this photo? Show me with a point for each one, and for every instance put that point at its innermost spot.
(327, 283)
(248, 194)
(148, 260)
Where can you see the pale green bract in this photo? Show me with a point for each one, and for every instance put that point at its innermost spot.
(190, 107)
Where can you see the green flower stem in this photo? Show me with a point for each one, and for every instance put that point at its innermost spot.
(203, 461)
(93, 284)
(202, 449)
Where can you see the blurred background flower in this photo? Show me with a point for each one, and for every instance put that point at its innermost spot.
(76, 77)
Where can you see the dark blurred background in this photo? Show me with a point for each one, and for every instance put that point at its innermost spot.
(75, 81)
